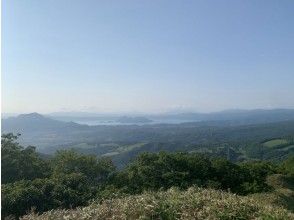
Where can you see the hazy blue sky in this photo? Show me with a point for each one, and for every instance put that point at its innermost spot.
(147, 56)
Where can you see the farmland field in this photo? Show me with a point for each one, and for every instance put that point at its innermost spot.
(275, 142)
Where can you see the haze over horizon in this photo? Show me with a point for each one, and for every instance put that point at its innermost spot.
(88, 114)
(147, 56)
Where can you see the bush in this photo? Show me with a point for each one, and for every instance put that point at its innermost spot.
(257, 172)
(288, 166)
(152, 171)
(76, 178)
(18, 163)
(194, 203)
(44, 194)
(230, 176)
(96, 170)
(164, 170)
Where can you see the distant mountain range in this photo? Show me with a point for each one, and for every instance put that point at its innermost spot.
(124, 141)
(41, 131)
(239, 116)
(129, 120)
(243, 116)
(33, 122)
(45, 131)
(37, 122)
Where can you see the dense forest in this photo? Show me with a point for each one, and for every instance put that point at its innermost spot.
(69, 179)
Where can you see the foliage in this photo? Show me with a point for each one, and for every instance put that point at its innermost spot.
(19, 163)
(163, 170)
(194, 203)
(68, 180)
(67, 162)
(229, 175)
(44, 194)
(257, 173)
(71, 179)
(151, 171)
(288, 166)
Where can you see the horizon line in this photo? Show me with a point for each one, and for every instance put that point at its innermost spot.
(146, 113)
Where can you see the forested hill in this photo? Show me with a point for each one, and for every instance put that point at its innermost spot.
(123, 142)
(34, 122)
(46, 132)
(235, 116)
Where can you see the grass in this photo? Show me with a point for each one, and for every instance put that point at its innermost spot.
(82, 145)
(275, 143)
(194, 203)
(113, 153)
(283, 193)
(124, 148)
(288, 148)
(130, 147)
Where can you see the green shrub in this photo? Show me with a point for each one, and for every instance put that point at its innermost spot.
(194, 203)
(152, 171)
(288, 166)
(68, 162)
(18, 163)
(44, 194)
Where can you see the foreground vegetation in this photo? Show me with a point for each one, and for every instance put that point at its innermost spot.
(282, 193)
(70, 180)
(194, 203)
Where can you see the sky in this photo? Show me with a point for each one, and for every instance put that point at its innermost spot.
(147, 55)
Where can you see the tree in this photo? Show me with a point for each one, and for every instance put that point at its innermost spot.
(228, 174)
(256, 174)
(19, 163)
(288, 166)
(68, 162)
(164, 170)
(66, 191)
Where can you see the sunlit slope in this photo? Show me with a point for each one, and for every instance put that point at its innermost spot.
(282, 193)
(194, 203)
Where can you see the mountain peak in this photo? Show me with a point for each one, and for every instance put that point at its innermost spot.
(31, 115)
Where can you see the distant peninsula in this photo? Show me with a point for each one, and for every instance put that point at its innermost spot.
(126, 119)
